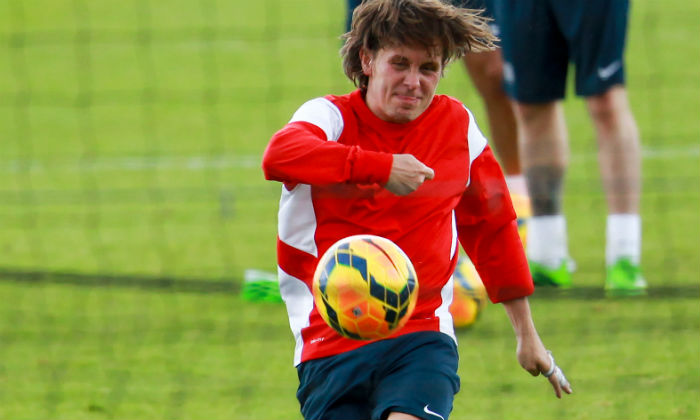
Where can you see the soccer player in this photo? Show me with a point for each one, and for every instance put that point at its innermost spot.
(539, 38)
(394, 159)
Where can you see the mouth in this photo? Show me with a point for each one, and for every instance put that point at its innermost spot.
(408, 100)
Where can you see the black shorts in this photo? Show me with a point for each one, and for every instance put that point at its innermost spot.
(539, 39)
(413, 373)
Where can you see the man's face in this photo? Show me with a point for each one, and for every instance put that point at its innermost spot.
(402, 81)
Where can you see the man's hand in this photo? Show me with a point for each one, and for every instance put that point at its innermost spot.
(532, 355)
(407, 174)
(538, 360)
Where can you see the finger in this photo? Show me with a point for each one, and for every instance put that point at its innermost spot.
(559, 382)
(428, 172)
(563, 382)
(549, 374)
(567, 389)
(556, 377)
(555, 385)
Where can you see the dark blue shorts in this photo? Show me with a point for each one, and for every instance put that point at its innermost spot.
(351, 5)
(486, 6)
(539, 39)
(414, 373)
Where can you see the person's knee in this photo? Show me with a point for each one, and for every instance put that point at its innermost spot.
(492, 80)
(486, 71)
(608, 108)
(536, 114)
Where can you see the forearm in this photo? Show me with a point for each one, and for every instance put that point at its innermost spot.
(299, 153)
(518, 311)
(531, 353)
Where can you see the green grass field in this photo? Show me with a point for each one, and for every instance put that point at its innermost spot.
(131, 201)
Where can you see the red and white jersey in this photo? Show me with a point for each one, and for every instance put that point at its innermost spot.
(335, 155)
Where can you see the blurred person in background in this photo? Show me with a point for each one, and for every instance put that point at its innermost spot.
(540, 38)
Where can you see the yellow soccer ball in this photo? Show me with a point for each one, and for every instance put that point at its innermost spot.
(365, 287)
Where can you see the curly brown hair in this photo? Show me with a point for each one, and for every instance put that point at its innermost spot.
(446, 30)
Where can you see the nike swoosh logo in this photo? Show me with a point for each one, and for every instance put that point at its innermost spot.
(606, 72)
(432, 413)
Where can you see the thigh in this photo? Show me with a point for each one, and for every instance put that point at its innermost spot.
(535, 52)
(596, 33)
(419, 377)
(336, 387)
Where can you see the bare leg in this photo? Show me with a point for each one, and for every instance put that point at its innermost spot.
(619, 153)
(395, 415)
(544, 154)
(486, 71)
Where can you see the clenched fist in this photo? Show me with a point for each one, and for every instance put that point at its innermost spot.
(407, 174)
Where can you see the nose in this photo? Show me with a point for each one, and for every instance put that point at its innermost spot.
(412, 79)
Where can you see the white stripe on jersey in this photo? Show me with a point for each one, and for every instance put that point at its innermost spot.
(322, 113)
(455, 238)
(297, 219)
(477, 141)
(300, 303)
(443, 311)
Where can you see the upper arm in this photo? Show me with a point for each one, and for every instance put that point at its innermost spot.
(322, 113)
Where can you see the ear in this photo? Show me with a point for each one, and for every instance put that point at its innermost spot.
(366, 60)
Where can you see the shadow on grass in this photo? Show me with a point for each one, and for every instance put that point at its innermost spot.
(233, 285)
(667, 291)
(156, 283)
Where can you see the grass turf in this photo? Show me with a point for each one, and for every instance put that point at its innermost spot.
(131, 201)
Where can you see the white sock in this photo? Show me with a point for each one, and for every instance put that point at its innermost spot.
(623, 238)
(516, 184)
(547, 240)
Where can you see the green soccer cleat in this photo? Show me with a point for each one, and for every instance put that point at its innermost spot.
(624, 278)
(260, 286)
(557, 277)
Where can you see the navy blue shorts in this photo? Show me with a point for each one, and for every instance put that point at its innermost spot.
(351, 5)
(539, 39)
(414, 373)
(486, 6)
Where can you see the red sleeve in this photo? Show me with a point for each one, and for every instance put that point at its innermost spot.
(488, 232)
(299, 153)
